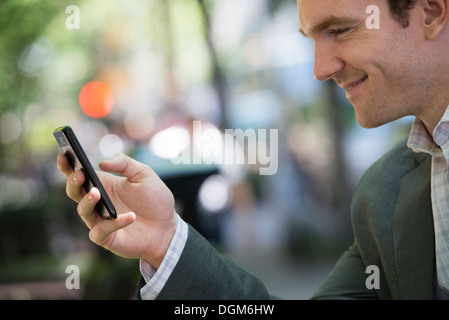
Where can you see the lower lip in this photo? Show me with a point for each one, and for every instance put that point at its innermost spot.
(355, 89)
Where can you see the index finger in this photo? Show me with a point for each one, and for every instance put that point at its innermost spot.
(64, 165)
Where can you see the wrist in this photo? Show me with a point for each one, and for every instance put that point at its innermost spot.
(161, 247)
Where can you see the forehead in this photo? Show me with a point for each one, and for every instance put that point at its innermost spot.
(312, 12)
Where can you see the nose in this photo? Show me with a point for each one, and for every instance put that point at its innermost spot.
(327, 65)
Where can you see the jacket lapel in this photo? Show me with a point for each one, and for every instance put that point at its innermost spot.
(413, 234)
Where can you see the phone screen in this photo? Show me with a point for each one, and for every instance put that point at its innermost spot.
(71, 147)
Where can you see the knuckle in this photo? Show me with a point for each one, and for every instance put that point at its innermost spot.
(79, 209)
(68, 191)
(72, 195)
(97, 236)
(63, 165)
(73, 191)
(93, 235)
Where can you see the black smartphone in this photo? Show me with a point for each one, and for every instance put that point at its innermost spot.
(70, 146)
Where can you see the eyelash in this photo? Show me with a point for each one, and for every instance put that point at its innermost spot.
(337, 32)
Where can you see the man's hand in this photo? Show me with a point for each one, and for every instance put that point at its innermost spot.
(146, 220)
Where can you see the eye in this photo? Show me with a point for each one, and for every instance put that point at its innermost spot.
(339, 32)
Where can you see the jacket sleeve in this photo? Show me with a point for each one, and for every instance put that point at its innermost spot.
(347, 279)
(203, 273)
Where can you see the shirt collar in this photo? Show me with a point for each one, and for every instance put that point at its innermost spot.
(421, 141)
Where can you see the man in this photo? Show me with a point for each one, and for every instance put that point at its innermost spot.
(399, 212)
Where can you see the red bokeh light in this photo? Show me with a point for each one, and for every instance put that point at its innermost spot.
(96, 99)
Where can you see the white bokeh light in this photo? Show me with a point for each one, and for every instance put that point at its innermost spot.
(214, 194)
(169, 143)
(110, 145)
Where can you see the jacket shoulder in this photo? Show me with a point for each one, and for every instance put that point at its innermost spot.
(385, 175)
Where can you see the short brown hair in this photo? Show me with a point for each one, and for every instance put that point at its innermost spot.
(399, 10)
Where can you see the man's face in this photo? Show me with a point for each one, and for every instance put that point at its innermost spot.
(380, 69)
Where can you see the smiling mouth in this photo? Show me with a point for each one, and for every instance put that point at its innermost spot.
(355, 83)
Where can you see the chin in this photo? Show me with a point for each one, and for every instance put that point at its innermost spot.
(368, 126)
(375, 122)
(370, 123)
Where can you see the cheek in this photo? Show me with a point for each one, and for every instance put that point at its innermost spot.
(402, 76)
(386, 68)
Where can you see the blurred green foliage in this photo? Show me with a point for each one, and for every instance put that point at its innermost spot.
(21, 22)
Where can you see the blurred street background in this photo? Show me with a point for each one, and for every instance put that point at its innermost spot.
(152, 67)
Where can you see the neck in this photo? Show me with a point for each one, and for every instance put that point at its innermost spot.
(432, 120)
(435, 102)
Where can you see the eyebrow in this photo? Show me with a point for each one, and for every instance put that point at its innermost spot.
(329, 22)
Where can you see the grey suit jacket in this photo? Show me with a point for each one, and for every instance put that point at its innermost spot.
(393, 229)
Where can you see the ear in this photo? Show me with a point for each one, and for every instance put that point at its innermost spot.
(435, 17)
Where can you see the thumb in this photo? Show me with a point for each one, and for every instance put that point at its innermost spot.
(127, 167)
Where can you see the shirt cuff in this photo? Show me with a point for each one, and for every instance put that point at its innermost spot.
(156, 279)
